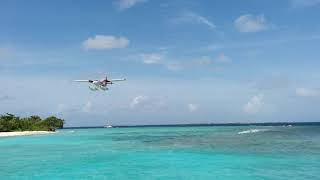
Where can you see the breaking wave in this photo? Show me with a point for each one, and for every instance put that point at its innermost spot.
(72, 131)
(252, 131)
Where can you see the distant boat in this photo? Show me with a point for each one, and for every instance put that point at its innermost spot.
(107, 125)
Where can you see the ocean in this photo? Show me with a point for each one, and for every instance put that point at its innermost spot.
(193, 152)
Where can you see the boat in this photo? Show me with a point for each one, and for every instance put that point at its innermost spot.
(107, 125)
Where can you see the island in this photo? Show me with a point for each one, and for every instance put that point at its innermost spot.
(11, 125)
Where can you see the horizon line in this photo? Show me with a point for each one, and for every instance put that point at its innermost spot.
(203, 124)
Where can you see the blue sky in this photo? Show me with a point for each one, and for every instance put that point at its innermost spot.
(186, 61)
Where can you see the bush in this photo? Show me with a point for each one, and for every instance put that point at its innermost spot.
(10, 122)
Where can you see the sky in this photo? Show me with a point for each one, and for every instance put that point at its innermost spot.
(186, 61)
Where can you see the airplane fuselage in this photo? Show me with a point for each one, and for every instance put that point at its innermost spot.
(99, 84)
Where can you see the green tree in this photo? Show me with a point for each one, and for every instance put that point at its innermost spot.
(10, 122)
(53, 123)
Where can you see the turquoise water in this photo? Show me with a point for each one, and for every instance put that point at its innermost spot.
(248, 152)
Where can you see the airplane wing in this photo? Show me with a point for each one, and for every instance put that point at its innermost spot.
(113, 80)
(82, 80)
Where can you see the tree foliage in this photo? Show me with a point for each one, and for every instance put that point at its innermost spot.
(10, 122)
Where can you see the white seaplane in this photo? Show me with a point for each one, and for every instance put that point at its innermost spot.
(95, 85)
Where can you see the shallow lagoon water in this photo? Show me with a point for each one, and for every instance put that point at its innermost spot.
(210, 152)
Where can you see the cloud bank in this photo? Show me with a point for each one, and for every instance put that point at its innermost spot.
(102, 42)
(192, 17)
(249, 23)
(126, 4)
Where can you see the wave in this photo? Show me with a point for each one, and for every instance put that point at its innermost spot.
(72, 131)
(289, 125)
(252, 131)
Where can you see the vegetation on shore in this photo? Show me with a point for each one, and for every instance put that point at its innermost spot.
(10, 123)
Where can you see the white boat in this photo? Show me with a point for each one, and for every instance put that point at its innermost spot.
(107, 125)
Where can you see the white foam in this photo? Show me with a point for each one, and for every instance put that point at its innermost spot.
(287, 125)
(252, 131)
(24, 133)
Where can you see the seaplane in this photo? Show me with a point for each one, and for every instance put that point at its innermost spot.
(95, 85)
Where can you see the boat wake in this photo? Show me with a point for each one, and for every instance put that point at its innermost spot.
(252, 131)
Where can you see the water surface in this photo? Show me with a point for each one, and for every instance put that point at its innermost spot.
(236, 152)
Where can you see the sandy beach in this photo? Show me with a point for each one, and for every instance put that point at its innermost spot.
(23, 133)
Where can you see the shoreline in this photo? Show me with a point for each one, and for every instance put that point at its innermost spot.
(24, 133)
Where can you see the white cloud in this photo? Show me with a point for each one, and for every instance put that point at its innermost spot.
(152, 58)
(147, 103)
(192, 17)
(307, 92)
(87, 107)
(126, 4)
(249, 23)
(102, 42)
(193, 107)
(159, 59)
(139, 101)
(304, 3)
(174, 65)
(254, 105)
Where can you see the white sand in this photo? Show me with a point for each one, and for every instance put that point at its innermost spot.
(24, 133)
